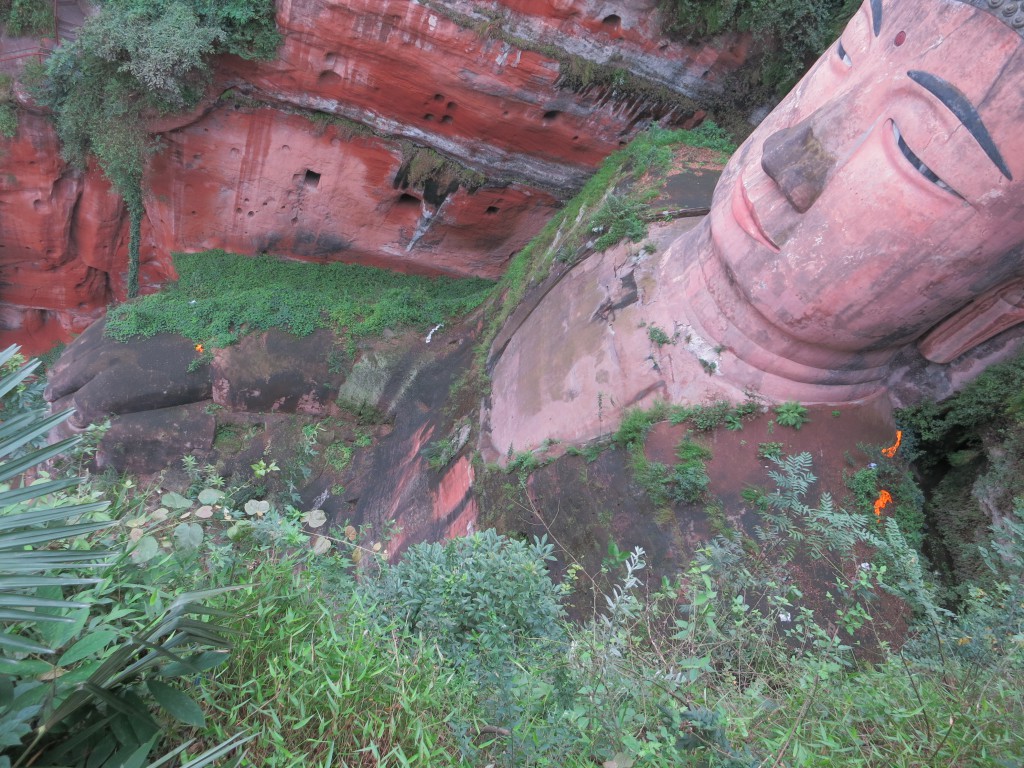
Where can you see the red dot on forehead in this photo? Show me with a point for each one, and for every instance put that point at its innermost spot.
(901, 38)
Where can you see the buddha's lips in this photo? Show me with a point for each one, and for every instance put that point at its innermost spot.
(746, 217)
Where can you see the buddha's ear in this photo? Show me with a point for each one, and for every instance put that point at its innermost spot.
(979, 321)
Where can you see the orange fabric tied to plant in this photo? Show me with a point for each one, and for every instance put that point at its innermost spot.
(891, 450)
(884, 497)
(199, 348)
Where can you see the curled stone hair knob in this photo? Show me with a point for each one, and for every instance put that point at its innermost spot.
(994, 3)
(1018, 21)
(1009, 9)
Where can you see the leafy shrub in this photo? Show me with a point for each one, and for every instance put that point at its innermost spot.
(707, 417)
(957, 422)
(636, 423)
(8, 109)
(30, 17)
(220, 297)
(8, 121)
(683, 482)
(475, 595)
(791, 414)
(658, 336)
(690, 477)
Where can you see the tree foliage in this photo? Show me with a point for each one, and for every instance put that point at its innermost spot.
(27, 17)
(794, 31)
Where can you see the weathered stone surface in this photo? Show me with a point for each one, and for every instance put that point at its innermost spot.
(149, 441)
(277, 183)
(276, 372)
(604, 362)
(100, 377)
(252, 179)
(63, 242)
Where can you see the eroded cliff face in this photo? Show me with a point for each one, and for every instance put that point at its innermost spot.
(276, 170)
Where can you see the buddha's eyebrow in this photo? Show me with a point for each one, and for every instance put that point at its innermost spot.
(876, 16)
(960, 105)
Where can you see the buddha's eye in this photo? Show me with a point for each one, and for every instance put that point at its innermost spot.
(843, 55)
(919, 166)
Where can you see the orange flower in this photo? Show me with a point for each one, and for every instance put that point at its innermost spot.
(891, 450)
(200, 349)
(884, 497)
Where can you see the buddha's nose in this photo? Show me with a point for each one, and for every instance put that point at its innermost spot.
(796, 160)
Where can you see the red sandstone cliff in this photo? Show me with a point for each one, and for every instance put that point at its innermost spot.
(257, 174)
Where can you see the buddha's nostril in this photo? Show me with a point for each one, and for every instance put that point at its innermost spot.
(797, 162)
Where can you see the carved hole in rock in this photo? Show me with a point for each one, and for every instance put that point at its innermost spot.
(550, 115)
(330, 58)
(451, 106)
(311, 179)
(37, 204)
(328, 77)
(575, 138)
(250, 214)
(428, 117)
(446, 120)
(407, 200)
(491, 209)
(295, 219)
(438, 97)
(612, 21)
(193, 213)
(505, 113)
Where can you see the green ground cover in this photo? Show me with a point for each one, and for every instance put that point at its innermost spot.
(220, 297)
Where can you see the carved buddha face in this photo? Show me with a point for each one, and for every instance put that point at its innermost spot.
(885, 191)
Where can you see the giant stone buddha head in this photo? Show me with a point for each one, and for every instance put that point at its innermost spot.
(881, 197)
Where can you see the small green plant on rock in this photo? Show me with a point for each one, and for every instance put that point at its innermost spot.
(659, 336)
(791, 414)
(440, 452)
